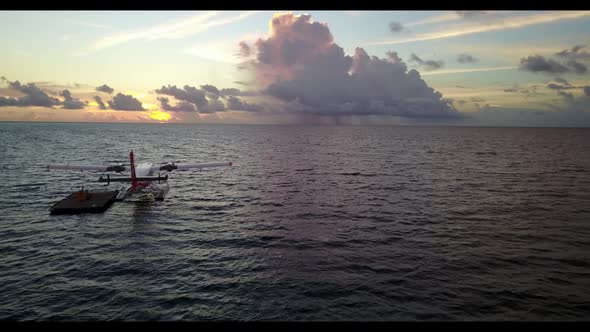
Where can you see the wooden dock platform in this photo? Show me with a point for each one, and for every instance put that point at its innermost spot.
(85, 202)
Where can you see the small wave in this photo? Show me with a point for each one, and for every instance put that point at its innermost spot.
(304, 169)
(359, 174)
(270, 204)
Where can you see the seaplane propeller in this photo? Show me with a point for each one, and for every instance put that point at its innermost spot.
(169, 166)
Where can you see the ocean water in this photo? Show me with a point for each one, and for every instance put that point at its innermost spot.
(316, 223)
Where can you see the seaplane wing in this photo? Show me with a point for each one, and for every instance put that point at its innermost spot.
(101, 168)
(181, 167)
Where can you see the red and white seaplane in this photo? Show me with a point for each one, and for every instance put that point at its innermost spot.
(145, 184)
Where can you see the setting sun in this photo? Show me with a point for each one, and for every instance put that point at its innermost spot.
(160, 116)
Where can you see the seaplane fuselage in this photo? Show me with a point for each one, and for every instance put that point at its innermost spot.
(143, 189)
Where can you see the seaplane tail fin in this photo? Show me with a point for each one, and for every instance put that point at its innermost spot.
(133, 176)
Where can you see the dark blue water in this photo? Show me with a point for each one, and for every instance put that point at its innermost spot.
(316, 223)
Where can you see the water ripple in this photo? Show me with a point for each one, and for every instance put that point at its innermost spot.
(317, 223)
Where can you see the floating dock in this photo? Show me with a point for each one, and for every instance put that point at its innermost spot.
(85, 202)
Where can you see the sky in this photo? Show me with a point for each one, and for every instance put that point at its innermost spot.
(482, 68)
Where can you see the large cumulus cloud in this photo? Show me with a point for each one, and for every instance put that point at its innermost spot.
(300, 65)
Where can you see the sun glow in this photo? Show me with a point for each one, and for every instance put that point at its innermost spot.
(160, 116)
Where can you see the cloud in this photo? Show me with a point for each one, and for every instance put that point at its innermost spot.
(178, 28)
(520, 117)
(554, 86)
(483, 108)
(105, 88)
(470, 70)
(212, 106)
(466, 58)
(514, 89)
(230, 92)
(34, 96)
(123, 102)
(4, 101)
(562, 81)
(189, 94)
(435, 19)
(210, 88)
(395, 27)
(483, 17)
(300, 66)
(566, 95)
(294, 42)
(577, 67)
(468, 14)
(71, 103)
(571, 103)
(393, 56)
(66, 94)
(427, 64)
(182, 106)
(198, 98)
(244, 49)
(561, 84)
(529, 91)
(504, 24)
(538, 63)
(216, 51)
(234, 103)
(574, 53)
(101, 105)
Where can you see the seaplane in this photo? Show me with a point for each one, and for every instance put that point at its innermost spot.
(146, 181)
